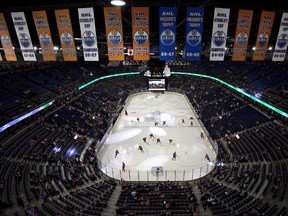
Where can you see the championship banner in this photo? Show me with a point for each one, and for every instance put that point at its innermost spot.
(140, 33)
(194, 31)
(23, 35)
(263, 35)
(219, 34)
(88, 32)
(282, 40)
(66, 34)
(242, 35)
(6, 40)
(114, 33)
(167, 28)
(44, 35)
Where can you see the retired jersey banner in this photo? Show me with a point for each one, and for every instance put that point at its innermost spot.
(219, 34)
(282, 40)
(140, 33)
(44, 35)
(6, 40)
(194, 31)
(88, 32)
(167, 28)
(66, 34)
(114, 33)
(242, 35)
(264, 31)
(23, 35)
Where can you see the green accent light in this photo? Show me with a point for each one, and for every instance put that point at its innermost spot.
(106, 77)
(236, 89)
(196, 75)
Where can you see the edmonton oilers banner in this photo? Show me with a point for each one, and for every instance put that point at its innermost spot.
(167, 28)
(219, 34)
(282, 40)
(44, 35)
(194, 31)
(140, 33)
(264, 31)
(114, 33)
(6, 40)
(242, 35)
(23, 35)
(88, 32)
(66, 34)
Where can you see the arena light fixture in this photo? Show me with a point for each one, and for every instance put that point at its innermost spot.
(118, 2)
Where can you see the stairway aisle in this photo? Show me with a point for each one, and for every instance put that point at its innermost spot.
(110, 210)
(200, 209)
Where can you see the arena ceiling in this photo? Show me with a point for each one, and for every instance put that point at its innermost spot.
(28, 6)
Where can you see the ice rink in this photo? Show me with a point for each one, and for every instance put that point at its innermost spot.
(155, 162)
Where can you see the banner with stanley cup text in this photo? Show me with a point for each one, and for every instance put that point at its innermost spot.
(66, 34)
(194, 32)
(23, 35)
(282, 40)
(44, 35)
(114, 33)
(264, 32)
(167, 32)
(242, 35)
(140, 33)
(219, 34)
(6, 40)
(88, 32)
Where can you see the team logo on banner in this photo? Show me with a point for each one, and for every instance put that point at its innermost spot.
(167, 37)
(263, 39)
(89, 38)
(114, 37)
(5, 40)
(219, 38)
(24, 39)
(193, 37)
(282, 40)
(242, 38)
(141, 37)
(45, 39)
(66, 38)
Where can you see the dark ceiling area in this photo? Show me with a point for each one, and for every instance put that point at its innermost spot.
(28, 6)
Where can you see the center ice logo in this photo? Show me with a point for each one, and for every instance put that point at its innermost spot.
(141, 37)
(45, 39)
(114, 37)
(5, 40)
(241, 38)
(167, 37)
(282, 40)
(24, 40)
(193, 38)
(88, 38)
(263, 39)
(219, 38)
(66, 38)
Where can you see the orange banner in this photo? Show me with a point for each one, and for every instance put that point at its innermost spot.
(140, 32)
(66, 34)
(264, 31)
(114, 33)
(1, 57)
(44, 35)
(6, 40)
(242, 35)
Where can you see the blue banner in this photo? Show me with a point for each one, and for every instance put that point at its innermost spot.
(194, 32)
(167, 27)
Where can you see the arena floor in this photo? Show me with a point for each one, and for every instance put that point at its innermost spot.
(155, 162)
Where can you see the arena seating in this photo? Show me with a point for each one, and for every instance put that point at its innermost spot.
(41, 170)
